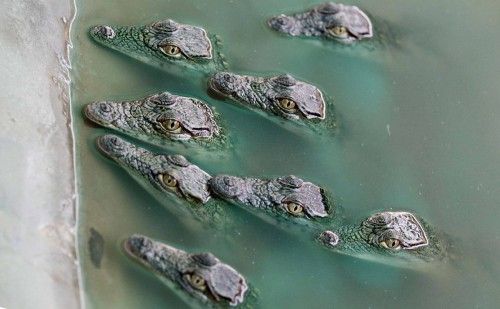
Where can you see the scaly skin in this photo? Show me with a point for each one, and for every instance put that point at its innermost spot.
(281, 95)
(163, 42)
(201, 276)
(162, 116)
(386, 234)
(343, 23)
(189, 181)
(287, 197)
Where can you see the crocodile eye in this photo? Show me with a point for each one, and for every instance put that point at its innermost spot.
(391, 243)
(196, 282)
(287, 104)
(171, 50)
(338, 30)
(172, 126)
(168, 180)
(294, 209)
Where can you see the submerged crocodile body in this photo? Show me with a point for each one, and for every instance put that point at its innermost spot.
(163, 42)
(287, 197)
(162, 116)
(201, 276)
(281, 95)
(343, 23)
(386, 234)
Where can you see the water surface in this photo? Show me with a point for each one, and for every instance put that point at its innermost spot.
(418, 114)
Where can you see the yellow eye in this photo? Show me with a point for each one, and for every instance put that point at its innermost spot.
(168, 180)
(391, 243)
(197, 282)
(338, 30)
(172, 126)
(287, 104)
(294, 209)
(171, 50)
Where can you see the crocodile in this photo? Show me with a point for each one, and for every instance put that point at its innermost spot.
(280, 95)
(390, 234)
(200, 276)
(164, 42)
(162, 116)
(172, 174)
(170, 177)
(289, 197)
(344, 23)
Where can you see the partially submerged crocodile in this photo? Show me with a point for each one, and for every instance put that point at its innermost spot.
(386, 234)
(343, 23)
(288, 198)
(201, 275)
(170, 176)
(280, 95)
(163, 42)
(162, 116)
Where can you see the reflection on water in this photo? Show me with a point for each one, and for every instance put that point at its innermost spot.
(418, 130)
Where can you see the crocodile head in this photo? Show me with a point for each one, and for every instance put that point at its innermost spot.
(387, 233)
(164, 115)
(169, 173)
(344, 23)
(201, 275)
(161, 42)
(280, 95)
(287, 196)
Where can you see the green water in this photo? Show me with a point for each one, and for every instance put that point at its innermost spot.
(419, 122)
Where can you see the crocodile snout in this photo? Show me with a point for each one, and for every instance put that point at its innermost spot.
(225, 186)
(100, 112)
(112, 146)
(104, 32)
(223, 83)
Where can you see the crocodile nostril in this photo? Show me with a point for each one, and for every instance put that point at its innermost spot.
(104, 108)
(228, 181)
(228, 78)
(280, 22)
(114, 141)
(329, 238)
(105, 31)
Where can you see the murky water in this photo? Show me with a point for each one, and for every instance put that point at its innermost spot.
(419, 123)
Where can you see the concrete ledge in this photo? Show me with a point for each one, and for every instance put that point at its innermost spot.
(38, 264)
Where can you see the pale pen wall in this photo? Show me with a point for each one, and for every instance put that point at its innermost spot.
(38, 267)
